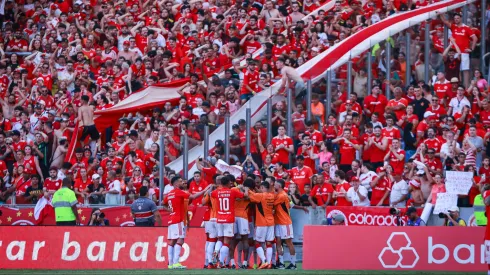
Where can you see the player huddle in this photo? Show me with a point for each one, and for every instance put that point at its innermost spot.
(253, 220)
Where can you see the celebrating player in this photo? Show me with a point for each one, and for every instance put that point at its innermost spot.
(284, 225)
(176, 202)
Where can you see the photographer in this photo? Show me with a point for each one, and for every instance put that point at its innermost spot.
(452, 218)
(414, 218)
(98, 218)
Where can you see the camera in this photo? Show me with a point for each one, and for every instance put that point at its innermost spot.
(394, 211)
(443, 215)
(101, 215)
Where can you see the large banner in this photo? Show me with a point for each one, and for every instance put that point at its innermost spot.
(50, 247)
(117, 216)
(370, 215)
(394, 248)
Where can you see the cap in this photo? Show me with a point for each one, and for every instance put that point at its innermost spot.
(354, 179)
(42, 102)
(95, 176)
(189, 16)
(38, 106)
(257, 173)
(242, 121)
(40, 79)
(338, 218)
(235, 126)
(454, 80)
(420, 172)
(54, 7)
(16, 133)
(453, 209)
(428, 114)
(120, 134)
(126, 43)
(52, 112)
(206, 104)
(64, 119)
(411, 210)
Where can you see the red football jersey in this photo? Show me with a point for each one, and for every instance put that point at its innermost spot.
(175, 199)
(226, 204)
(52, 184)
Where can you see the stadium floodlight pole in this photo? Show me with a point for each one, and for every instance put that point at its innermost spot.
(308, 99)
(369, 72)
(465, 13)
(248, 119)
(427, 52)
(206, 142)
(269, 120)
(227, 138)
(388, 65)
(289, 120)
(349, 78)
(329, 95)
(408, 73)
(161, 169)
(483, 29)
(185, 158)
(446, 36)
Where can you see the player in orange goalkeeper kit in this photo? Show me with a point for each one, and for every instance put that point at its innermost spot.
(264, 222)
(283, 225)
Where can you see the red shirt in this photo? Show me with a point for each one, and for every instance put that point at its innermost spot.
(347, 152)
(226, 204)
(379, 191)
(376, 154)
(320, 192)
(196, 188)
(433, 143)
(283, 153)
(376, 104)
(341, 200)
(462, 34)
(252, 80)
(176, 200)
(394, 103)
(301, 177)
(396, 163)
(52, 185)
(443, 88)
(391, 134)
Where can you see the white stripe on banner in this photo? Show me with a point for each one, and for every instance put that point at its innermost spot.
(332, 58)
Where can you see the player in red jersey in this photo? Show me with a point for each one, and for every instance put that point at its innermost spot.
(226, 216)
(175, 202)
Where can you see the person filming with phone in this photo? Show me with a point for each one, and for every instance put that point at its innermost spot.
(98, 218)
(452, 217)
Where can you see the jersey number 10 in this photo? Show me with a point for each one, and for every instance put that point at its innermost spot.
(224, 204)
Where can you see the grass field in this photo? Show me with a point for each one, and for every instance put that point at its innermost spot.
(228, 272)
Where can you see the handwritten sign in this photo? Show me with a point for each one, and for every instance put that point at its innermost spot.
(234, 170)
(444, 202)
(458, 182)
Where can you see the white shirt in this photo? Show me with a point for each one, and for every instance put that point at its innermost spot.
(367, 178)
(397, 191)
(354, 197)
(167, 189)
(149, 142)
(458, 105)
(445, 148)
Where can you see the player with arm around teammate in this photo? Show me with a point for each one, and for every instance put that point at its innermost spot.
(175, 203)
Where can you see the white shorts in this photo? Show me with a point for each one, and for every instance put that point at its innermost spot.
(241, 226)
(176, 231)
(465, 62)
(226, 229)
(284, 231)
(251, 230)
(264, 234)
(211, 229)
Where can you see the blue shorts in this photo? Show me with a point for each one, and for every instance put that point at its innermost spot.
(246, 96)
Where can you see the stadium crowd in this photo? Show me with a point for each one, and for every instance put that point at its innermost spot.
(372, 150)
